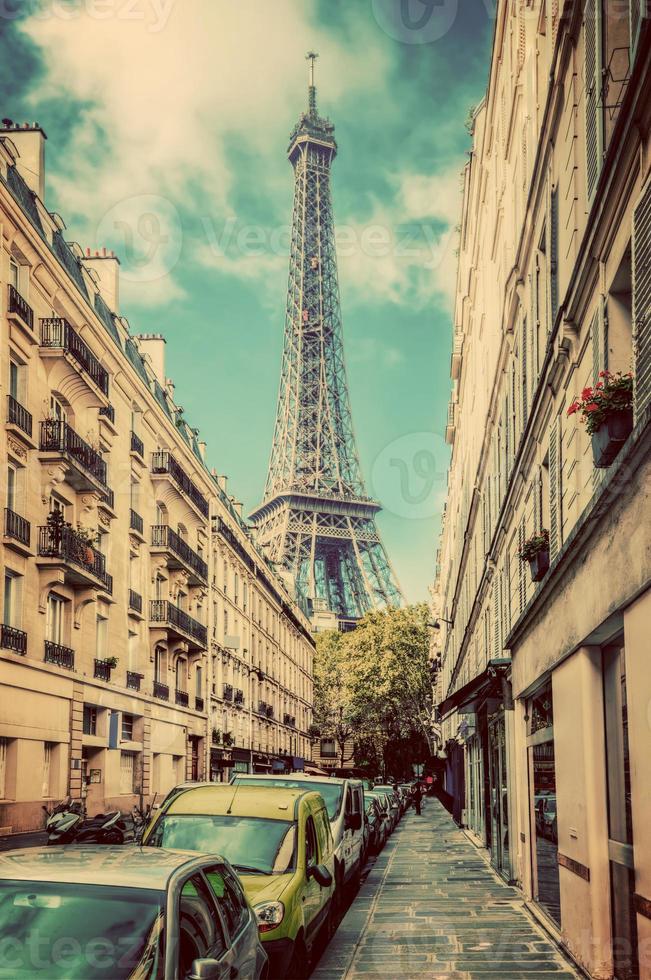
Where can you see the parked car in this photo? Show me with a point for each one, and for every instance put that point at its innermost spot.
(395, 801)
(125, 912)
(378, 823)
(344, 799)
(546, 823)
(280, 844)
(390, 804)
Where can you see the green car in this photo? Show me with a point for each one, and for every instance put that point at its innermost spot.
(279, 842)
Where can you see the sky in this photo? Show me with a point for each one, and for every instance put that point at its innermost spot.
(167, 125)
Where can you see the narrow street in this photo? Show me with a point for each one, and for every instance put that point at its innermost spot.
(431, 907)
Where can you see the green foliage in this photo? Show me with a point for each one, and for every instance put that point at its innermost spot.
(373, 684)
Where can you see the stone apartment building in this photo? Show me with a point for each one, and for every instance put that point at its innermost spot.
(546, 684)
(134, 596)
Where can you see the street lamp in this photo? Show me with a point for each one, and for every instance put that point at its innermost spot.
(437, 625)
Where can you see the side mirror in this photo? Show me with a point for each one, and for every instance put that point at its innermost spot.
(353, 821)
(320, 874)
(205, 969)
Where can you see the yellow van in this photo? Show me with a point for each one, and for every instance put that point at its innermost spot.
(279, 842)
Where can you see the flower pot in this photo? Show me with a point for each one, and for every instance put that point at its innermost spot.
(539, 565)
(611, 436)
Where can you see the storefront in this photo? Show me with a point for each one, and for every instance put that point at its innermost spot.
(221, 762)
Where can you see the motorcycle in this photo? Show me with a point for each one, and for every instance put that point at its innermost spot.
(106, 828)
(63, 821)
(141, 818)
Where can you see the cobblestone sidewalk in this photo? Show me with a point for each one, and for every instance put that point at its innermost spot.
(430, 908)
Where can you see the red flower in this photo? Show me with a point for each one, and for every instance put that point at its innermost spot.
(591, 407)
(574, 407)
(586, 393)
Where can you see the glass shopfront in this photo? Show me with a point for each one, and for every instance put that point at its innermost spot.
(540, 742)
(474, 787)
(499, 796)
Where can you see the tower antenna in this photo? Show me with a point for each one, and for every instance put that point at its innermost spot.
(311, 56)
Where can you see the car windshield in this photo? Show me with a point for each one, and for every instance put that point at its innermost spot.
(79, 932)
(253, 845)
(331, 792)
(382, 798)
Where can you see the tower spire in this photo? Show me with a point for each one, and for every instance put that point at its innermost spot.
(311, 56)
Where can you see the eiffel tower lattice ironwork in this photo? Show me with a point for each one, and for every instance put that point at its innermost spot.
(316, 518)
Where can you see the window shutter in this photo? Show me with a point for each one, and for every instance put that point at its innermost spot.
(555, 488)
(506, 599)
(552, 224)
(496, 617)
(599, 335)
(524, 376)
(522, 581)
(593, 117)
(642, 301)
(537, 502)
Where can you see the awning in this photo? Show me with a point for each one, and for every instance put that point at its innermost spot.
(485, 685)
(314, 771)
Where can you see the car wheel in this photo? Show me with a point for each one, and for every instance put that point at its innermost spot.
(299, 967)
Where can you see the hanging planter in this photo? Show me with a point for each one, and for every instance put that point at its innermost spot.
(535, 551)
(606, 410)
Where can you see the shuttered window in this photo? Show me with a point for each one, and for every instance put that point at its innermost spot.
(599, 336)
(642, 301)
(524, 372)
(522, 581)
(594, 137)
(555, 488)
(126, 772)
(552, 225)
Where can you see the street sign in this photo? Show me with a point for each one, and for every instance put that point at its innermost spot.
(418, 769)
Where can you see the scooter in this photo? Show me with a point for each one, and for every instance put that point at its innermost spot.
(64, 821)
(106, 828)
(141, 818)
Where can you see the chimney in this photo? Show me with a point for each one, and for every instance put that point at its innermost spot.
(237, 504)
(202, 450)
(153, 344)
(169, 388)
(222, 481)
(29, 139)
(106, 267)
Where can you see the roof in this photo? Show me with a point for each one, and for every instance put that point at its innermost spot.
(295, 777)
(124, 866)
(237, 801)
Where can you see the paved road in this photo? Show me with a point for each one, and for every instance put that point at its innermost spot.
(432, 908)
(35, 839)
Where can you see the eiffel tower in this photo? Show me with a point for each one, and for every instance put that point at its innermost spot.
(316, 518)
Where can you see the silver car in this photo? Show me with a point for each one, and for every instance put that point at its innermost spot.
(77, 913)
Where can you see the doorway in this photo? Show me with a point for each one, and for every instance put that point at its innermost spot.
(499, 797)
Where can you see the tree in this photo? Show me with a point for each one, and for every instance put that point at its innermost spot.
(375, 683)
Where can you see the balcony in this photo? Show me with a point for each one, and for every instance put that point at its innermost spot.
(58, 335)
(228, 692)
(19, 416)
(198, 704)
(181, 698)
(161, 691)
(289, 720)
(450, 428)
(18, 309)
(163, 464)
(179, 553)
(262, 708)
(270, 711)
(133, 680)
(107, 412)
(136, 522)
(239, 699)
(85, 468)
(13, 639)
(135, 602)
(178, 623)
(17, 528)
(102, 670)
(137, 446)
(59, 655)
(83, 564)
(457, 352)
(108, 500)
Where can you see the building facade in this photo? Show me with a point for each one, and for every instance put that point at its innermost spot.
(121, 629)
(545, 684)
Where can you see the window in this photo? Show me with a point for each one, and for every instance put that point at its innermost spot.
(4, 748)
(12, 477)
(236, 589)
(245, 596)
(133, 644)
(57, 409)
(201, 935)
(159, 664)
(225, 579)
(89, 724)
(328, 748)
(57, 505)
(181, 674)
(229, 896)
(198, 677)
(17, 381)
(47, 769)
(101, 637)
(311, 848)
(127, 727)
(12, 590)
(14, 277)
(127, 769)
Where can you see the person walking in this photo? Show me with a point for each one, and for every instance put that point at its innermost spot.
(418, 799)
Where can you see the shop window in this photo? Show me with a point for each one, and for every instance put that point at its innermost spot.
(89, 724)
(544, 855)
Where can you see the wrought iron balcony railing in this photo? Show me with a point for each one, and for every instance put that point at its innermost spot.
(57, 654)
(108, 498)
(17, 527)
(161, 691)
(135, 601)
(137, 445)
(59, 437)
(19, 416)
(270, 711)
(13, 639)
(102, 670)
(57, 332)
(71, 547)
(20, 306)
(133, 680)
(107, 412)
(162, 536)
(181, 697)
(289, 720)
(164, 462)
(198, 703)
(228, 692)
(239, 698)
(165, 612)
(262, 708)
(135, 521)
